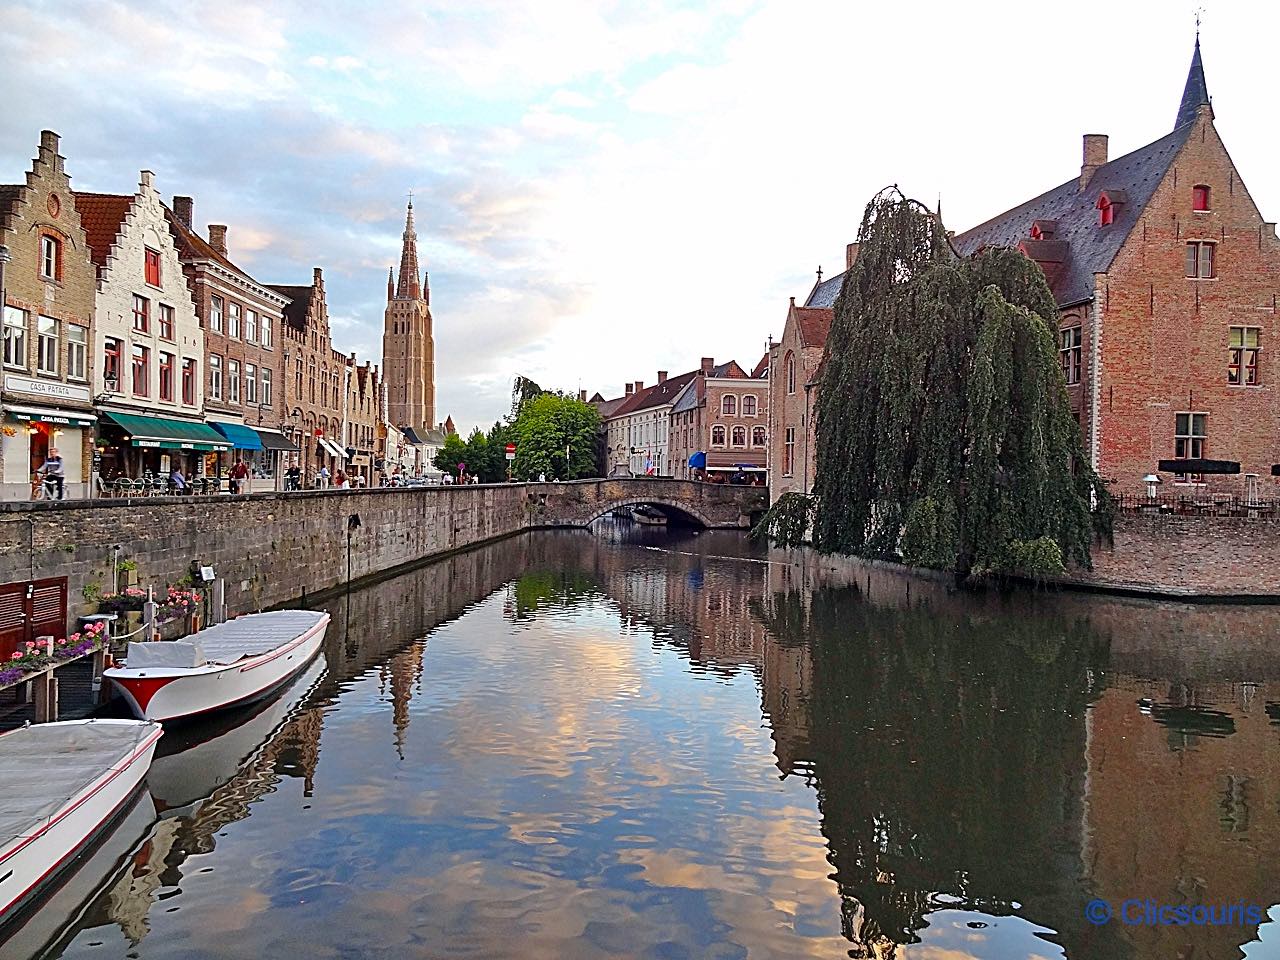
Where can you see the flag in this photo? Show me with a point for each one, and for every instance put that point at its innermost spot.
(648, 464)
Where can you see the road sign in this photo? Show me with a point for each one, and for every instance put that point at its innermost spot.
(511, 456)
(511, 451)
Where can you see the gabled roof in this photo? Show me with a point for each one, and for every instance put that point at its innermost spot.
(9, 194)
(295, 312)
(101, 215)
(192, 246)
(657, 395)
(761, 368)
(814, 323)
(1092, 246)
(824, 294)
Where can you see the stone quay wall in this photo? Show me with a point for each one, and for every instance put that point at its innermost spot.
(274, 548)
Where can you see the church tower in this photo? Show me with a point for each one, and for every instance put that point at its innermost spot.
(408, 347)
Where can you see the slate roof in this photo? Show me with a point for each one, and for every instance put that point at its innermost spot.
(1196, 93)
(295, 312)
(824, 294)
(101, 215)
(1092, 246)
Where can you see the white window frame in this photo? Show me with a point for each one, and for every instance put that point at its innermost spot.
(233, 381)
(77, 352)
(15, 338)
(215, 313)
(47, 345)
(729, 399)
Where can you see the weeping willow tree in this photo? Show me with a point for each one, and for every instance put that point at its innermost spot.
(944, 434)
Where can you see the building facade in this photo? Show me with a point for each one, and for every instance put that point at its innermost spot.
(793, 372)
(637, 430)
(314, 380)
(363, 413)
(148, 340)
(47, 290)
(242, 319)
(408, 345)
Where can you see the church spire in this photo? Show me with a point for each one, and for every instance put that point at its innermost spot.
(408, 288)
(391, 283)
(1196, 93)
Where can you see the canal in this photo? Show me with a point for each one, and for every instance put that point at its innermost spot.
(629, 743)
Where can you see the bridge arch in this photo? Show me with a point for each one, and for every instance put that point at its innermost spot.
(677, 510)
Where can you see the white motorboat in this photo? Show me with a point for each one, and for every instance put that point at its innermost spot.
(227, 665)
(63, 785)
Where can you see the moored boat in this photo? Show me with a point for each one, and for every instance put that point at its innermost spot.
(64, 784)
(227, 665)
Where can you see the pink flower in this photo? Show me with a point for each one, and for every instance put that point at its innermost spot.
(16, 656)
(31, 644)
(74, 637)
(62, 642)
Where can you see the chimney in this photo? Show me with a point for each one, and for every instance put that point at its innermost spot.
(708, 364)
(1095, 155)
(317, 275)
(662, 376)
(639, 385)
(850, 255)
(218, 237)
(582, 396)
(182, 209)
(630, 388)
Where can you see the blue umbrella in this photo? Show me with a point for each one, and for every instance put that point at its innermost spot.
(699, 460)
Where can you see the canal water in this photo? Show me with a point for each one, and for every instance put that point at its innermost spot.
(629, 743)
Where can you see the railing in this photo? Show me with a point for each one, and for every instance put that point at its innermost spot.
(1199, 505)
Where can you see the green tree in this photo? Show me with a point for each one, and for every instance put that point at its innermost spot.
(945, 437)
(548, 426)
(451, 454)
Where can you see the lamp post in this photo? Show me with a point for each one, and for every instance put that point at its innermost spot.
(108, 389)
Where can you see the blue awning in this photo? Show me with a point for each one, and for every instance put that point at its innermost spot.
(699, 460)
(241, 437)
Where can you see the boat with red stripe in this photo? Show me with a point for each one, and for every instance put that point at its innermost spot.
(224, 666)
(63, 785)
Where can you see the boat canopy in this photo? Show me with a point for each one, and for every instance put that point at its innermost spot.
(255, 634)
(152, 654)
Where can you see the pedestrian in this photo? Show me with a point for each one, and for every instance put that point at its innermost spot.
(239, 477)
(178, 481)
(293, 478)
(322, 478)
(52, 474)
(340, 480)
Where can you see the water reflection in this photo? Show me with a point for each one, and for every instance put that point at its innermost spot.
(670, 744)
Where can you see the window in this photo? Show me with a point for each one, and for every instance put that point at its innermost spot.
(749, 405)
(50, 258)
(790, 367)
(728, 405)
(215, 377)
(250, 383)
(166, 322)
(141, 371)
(215, 314)
(717, 436)
(266, 330)
(15, 337)
(233, 321)
(141, 314)
(312, 379)
(112, 357)
(1200, 259)
(189, 371)
(1106, 211)
(1188, 443)
(1242, 360)
(1069, 354)
(251, 326)
(1200, 197)
(758, 436)
(264, 382)
(77, 351)
(166, 376)
(789, 452)
(739, 436)
(151, 260)
(233, 381)
(47, 345)
(297, 392)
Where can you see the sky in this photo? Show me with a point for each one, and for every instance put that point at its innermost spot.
(602, 189)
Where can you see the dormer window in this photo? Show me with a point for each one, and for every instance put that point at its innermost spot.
(1200, 197)
(1043, 229)
(1108, 201)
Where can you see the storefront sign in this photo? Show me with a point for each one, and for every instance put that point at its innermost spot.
(48, 389)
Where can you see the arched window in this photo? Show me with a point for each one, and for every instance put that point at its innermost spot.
(758, 436)
(1200, 197)
(749, 405)
(789, 366)
(739, 436)
(312, 379)
(729, 405)
(717, 436)
(1107, 211)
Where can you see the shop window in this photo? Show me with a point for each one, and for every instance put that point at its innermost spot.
(1190, 434)
(1200, 259)
(1069, 354)
(1242, 357)
(151, 261)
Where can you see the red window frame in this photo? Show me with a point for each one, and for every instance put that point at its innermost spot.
(166, 376)
(141, 364)
(1107, 211)
(111, 356)
(151, 264)
(188, 381)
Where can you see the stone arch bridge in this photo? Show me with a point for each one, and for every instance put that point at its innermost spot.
(579, 502)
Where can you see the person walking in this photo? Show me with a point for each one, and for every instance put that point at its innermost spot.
(322, 478)
(52, 475)
(239, 477)
(179, 482)
(293, 478)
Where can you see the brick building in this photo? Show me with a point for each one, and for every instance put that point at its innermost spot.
(408, 348)
(47, 292)
(149, 341)
(793, 371)
(723, 414)
(242, 362)
(313, 379)
(363, 414)
(1167, 278)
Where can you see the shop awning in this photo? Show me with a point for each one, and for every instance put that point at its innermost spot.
(58, 417)
(241, 437)
(168, 434)
(274, 440)
(332, 448)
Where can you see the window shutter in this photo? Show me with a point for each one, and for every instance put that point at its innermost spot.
(48, 609)
(13, 618)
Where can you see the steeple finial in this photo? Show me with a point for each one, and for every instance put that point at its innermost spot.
(391, 282)
(407, 286)
(819, 273)
(1196, 93)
